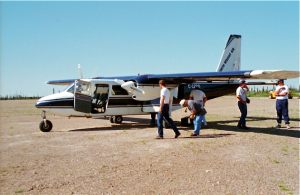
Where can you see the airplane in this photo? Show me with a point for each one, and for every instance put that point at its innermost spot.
(115, 97)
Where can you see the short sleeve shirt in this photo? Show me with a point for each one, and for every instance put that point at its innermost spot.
(242, 93)
(165, 92)
(198, 96)
(282, 89)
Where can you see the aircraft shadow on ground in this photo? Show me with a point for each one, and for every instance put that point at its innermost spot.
(143, 123)
(222, 125)
(115, 127)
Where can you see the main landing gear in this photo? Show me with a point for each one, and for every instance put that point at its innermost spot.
(116, 119)
(45, 125)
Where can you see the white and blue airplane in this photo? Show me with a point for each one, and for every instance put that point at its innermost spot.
(136, 95)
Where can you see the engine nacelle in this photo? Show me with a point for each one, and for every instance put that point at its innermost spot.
(141, 93)
(131, 87)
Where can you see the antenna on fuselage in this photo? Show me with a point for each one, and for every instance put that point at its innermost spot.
(80, 72)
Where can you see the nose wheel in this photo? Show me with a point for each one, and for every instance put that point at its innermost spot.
(45, 125)
(116, 119)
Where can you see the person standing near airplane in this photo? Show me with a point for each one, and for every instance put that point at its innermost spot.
(241, 94)
(164, 111)
(199, 97)
(197, 113)
(282, 92)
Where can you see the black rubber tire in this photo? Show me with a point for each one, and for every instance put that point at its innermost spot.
(118, 119)
(112, 119)
(46, 127)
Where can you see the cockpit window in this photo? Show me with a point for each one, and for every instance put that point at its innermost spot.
(70, 89)
(83, 87)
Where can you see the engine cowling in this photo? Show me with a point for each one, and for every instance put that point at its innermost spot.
(131, 87)
(141, 93)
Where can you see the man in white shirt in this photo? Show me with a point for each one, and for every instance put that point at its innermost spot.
(282, 92)
(164, 111)
(199, 97)
(241, 94)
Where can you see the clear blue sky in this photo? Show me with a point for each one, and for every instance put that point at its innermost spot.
(43, 41)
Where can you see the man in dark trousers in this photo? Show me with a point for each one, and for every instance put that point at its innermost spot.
(164, 111)
(241, 94)
(282, 92)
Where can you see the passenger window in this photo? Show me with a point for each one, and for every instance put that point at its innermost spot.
(118, 90)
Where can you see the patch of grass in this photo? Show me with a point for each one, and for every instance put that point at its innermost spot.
(275, 161)
(192, 147)
(18, 191)
(143, 141)
(295, 148)
(285, 149)
(282, 186)
(188, 144)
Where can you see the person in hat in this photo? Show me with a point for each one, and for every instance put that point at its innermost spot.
(196, 115)
(164, 111)
(281, 93)
(241, 94)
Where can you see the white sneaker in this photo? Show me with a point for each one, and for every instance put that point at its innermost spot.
(288, 127)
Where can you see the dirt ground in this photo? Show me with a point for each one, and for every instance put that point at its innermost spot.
(89, 156)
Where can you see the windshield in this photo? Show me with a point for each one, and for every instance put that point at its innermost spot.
(70, 88)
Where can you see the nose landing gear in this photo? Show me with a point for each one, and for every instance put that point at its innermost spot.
(116, 119)
(45, 125)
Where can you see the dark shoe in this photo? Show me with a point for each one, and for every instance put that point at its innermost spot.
(278, 126)
(239, 126)
(177, 135)
(194, 135)
(159, 137)
(245, 127)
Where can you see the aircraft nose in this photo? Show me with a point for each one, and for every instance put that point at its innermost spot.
(43, 101)
(39, 103)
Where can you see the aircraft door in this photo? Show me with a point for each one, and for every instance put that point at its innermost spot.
(82, 96)
(100, 98)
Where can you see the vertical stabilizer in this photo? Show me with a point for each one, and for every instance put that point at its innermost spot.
(231, 57)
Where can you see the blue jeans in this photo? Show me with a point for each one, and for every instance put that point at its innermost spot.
(282, 111)
(165, 115)
(243, 110)
(197, 123)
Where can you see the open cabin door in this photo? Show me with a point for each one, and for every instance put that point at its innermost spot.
(100, 98)
(82, 97)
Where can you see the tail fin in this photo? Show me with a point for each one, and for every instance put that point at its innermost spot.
(231, 57)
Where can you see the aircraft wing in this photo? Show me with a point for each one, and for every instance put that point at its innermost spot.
(61, 82)
(201, 76)
(274, 74)
(225, 76)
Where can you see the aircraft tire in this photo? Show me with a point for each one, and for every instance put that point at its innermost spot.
(46, 127)
(112, 119)
(118, 119)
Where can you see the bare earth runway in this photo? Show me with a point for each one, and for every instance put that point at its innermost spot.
(88, 156)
